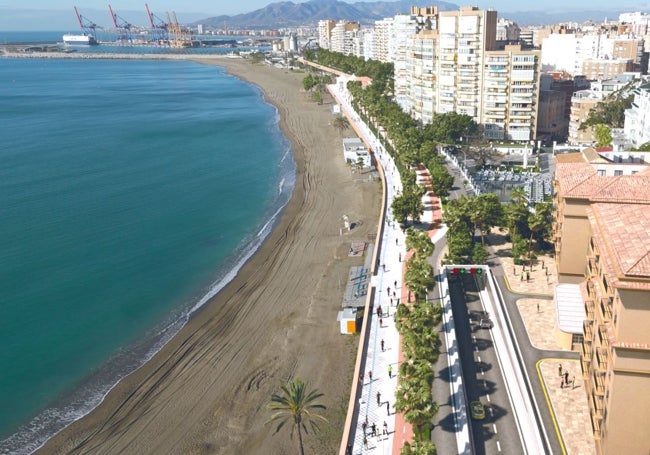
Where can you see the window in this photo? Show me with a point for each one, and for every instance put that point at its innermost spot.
(601, 172)
(577, 338)
(618, 172)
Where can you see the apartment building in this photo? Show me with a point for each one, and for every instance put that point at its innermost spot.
(602, 241)
(637, 117)
(510, 92)
(344, 36)
(454, 65)
(595, 54)
(325, 32)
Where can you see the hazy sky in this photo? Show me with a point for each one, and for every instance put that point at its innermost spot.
(216, 7)
(26, 15)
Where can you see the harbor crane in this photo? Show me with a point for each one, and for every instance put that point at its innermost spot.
(123, 28)
(159, 28)
(179, 36)
(88, 27)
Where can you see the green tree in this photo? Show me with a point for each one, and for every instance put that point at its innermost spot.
(419, 277)
(419, 448)
(420, 242)
(341, 123)
(603, 135)
(296, 406)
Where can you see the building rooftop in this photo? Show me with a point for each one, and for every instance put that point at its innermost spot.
(622, 233)
(579, 180)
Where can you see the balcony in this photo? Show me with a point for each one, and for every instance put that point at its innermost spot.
(603, 339)
(597, 406)
(606, 304)
(596, 422)
(602, 356)
(589, 309)
(585, 364)
(598, 384)
(585, 349)
(588, 329)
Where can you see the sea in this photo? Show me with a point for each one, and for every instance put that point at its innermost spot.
(130, 193)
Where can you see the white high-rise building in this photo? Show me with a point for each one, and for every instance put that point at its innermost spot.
(456, 67)
(402, 28)
(637, 118)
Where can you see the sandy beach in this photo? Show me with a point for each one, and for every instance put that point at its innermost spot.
(206, 391)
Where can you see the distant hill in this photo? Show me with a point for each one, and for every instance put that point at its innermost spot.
(289, 14)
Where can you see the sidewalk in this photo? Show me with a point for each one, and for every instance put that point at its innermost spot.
(568, 405)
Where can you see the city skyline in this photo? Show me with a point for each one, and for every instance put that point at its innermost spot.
(58, 14)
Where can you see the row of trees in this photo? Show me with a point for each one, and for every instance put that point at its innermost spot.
(416, 323)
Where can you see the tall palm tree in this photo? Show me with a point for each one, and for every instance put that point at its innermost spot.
(296, 405)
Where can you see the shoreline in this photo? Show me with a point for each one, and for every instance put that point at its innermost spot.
(206, 390)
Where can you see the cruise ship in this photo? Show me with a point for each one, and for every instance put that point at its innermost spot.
(79, 40)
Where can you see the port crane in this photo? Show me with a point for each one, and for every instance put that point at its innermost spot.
(123, 28)
(88, 27)
(159, 28)
(179, 36)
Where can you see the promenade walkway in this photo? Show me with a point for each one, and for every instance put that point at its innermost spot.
(378, 429)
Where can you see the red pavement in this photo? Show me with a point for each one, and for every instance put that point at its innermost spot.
(403, 429)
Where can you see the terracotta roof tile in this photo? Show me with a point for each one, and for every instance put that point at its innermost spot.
(622, 232)
(633, 189)
(576, 157)
(570, 176)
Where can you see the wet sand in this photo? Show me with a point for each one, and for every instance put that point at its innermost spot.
(206, 391)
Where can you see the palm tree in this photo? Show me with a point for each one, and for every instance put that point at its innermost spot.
(295, 405)
(341, 123)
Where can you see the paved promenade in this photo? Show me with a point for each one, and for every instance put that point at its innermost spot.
(378, 430)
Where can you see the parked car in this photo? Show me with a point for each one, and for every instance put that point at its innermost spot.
(477, 410)
(485, 323)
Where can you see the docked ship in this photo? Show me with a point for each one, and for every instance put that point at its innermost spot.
(79, 40)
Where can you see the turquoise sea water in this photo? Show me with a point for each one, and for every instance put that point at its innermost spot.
(129, 192)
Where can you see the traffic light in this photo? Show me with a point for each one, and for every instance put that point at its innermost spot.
(463, 270)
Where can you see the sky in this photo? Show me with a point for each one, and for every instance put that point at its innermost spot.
(58, 14)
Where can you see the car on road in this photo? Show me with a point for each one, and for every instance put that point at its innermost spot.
(486, 323)
(477, 410)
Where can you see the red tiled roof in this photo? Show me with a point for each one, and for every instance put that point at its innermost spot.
(633, 189)
(580, 181)
(622, 232)
(571, 175)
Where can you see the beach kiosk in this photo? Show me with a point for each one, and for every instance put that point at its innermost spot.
(348, 320)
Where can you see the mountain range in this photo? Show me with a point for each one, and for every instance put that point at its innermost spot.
(289, 14)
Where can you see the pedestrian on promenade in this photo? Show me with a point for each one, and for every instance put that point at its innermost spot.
(391, 301)
(383, 266)
(370, 375)
(538, 307)
(381, 322)
(387, 408)
(379, 311)
(566, 378)
(385, 428)
(378, 398)
(394, 294)
(365, 442)
(527, 276)
(562, 382)
(390, 371)
(373, 429)
(395, 283)
(361, 378)
(382, 345)
(400, 257)
(395, 239)
(573, 381)
(364, 426)
(559, 369)
(388, 290)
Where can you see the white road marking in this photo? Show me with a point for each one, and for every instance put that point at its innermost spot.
(494, 427)
(487, 396)
(498, 446)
